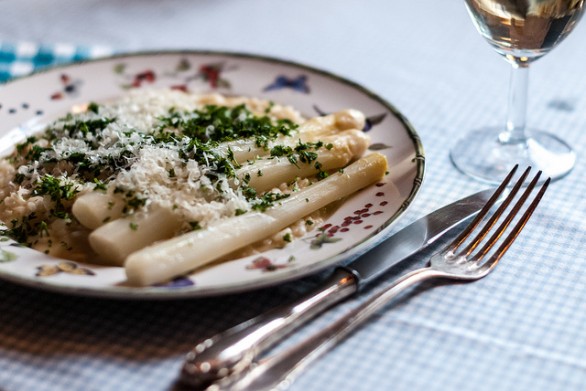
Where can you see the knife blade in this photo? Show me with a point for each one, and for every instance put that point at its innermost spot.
(234, 350)
(416, 237)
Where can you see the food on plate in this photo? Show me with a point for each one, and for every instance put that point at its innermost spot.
(185, 252)
(162, 182)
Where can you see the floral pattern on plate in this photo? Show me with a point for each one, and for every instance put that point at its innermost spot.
(327, 232)
(63, 267)
(268, 265)
(183, 73)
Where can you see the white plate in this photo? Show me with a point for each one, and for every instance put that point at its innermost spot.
(358, 225)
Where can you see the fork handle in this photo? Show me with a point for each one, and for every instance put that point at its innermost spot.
(283, 366)
(235, 349)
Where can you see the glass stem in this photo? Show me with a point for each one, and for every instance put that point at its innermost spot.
(517, 105)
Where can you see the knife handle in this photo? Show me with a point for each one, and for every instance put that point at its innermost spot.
(281, 368)
(235, 349)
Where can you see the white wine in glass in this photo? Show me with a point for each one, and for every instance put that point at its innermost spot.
(521, 31)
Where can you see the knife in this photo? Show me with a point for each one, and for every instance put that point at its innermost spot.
(234, 350)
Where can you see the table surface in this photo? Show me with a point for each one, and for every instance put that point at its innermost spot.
(520, 328)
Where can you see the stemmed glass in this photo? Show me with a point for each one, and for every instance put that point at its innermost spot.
(521, 31)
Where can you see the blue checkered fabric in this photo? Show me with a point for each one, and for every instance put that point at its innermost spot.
(521, 328)
(17, 59)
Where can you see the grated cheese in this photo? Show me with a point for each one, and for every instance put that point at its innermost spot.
(117, 144)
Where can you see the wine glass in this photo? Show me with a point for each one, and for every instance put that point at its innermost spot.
(521, 31)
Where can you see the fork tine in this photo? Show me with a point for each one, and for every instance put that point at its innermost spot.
(504, 225)
(492, 261)
(489, 204)
(518, 227)
(494, 218)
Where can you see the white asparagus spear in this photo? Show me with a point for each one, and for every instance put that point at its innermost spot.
(269, 173)
(165, 260)
(95, 208)
(311, 130)
(114, 241)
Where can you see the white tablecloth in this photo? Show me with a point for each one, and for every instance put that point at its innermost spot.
(522, 328)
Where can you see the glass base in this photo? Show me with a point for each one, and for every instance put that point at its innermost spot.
(483, 156)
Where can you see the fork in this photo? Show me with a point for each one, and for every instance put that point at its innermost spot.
(467, 264)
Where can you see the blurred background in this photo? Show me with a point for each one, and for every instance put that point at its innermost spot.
(424, 56)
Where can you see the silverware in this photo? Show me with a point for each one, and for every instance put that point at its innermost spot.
(234, 350)
(278, 371)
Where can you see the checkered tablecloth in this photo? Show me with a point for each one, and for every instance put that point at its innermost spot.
(17, 59)
(521, 328)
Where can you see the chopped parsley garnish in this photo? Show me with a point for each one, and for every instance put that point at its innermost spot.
(265, 201)
(93, 148)
(99, 185)
(220, 124)
(93, 107)
(56, 189)
(303, 152)
(281, 150)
